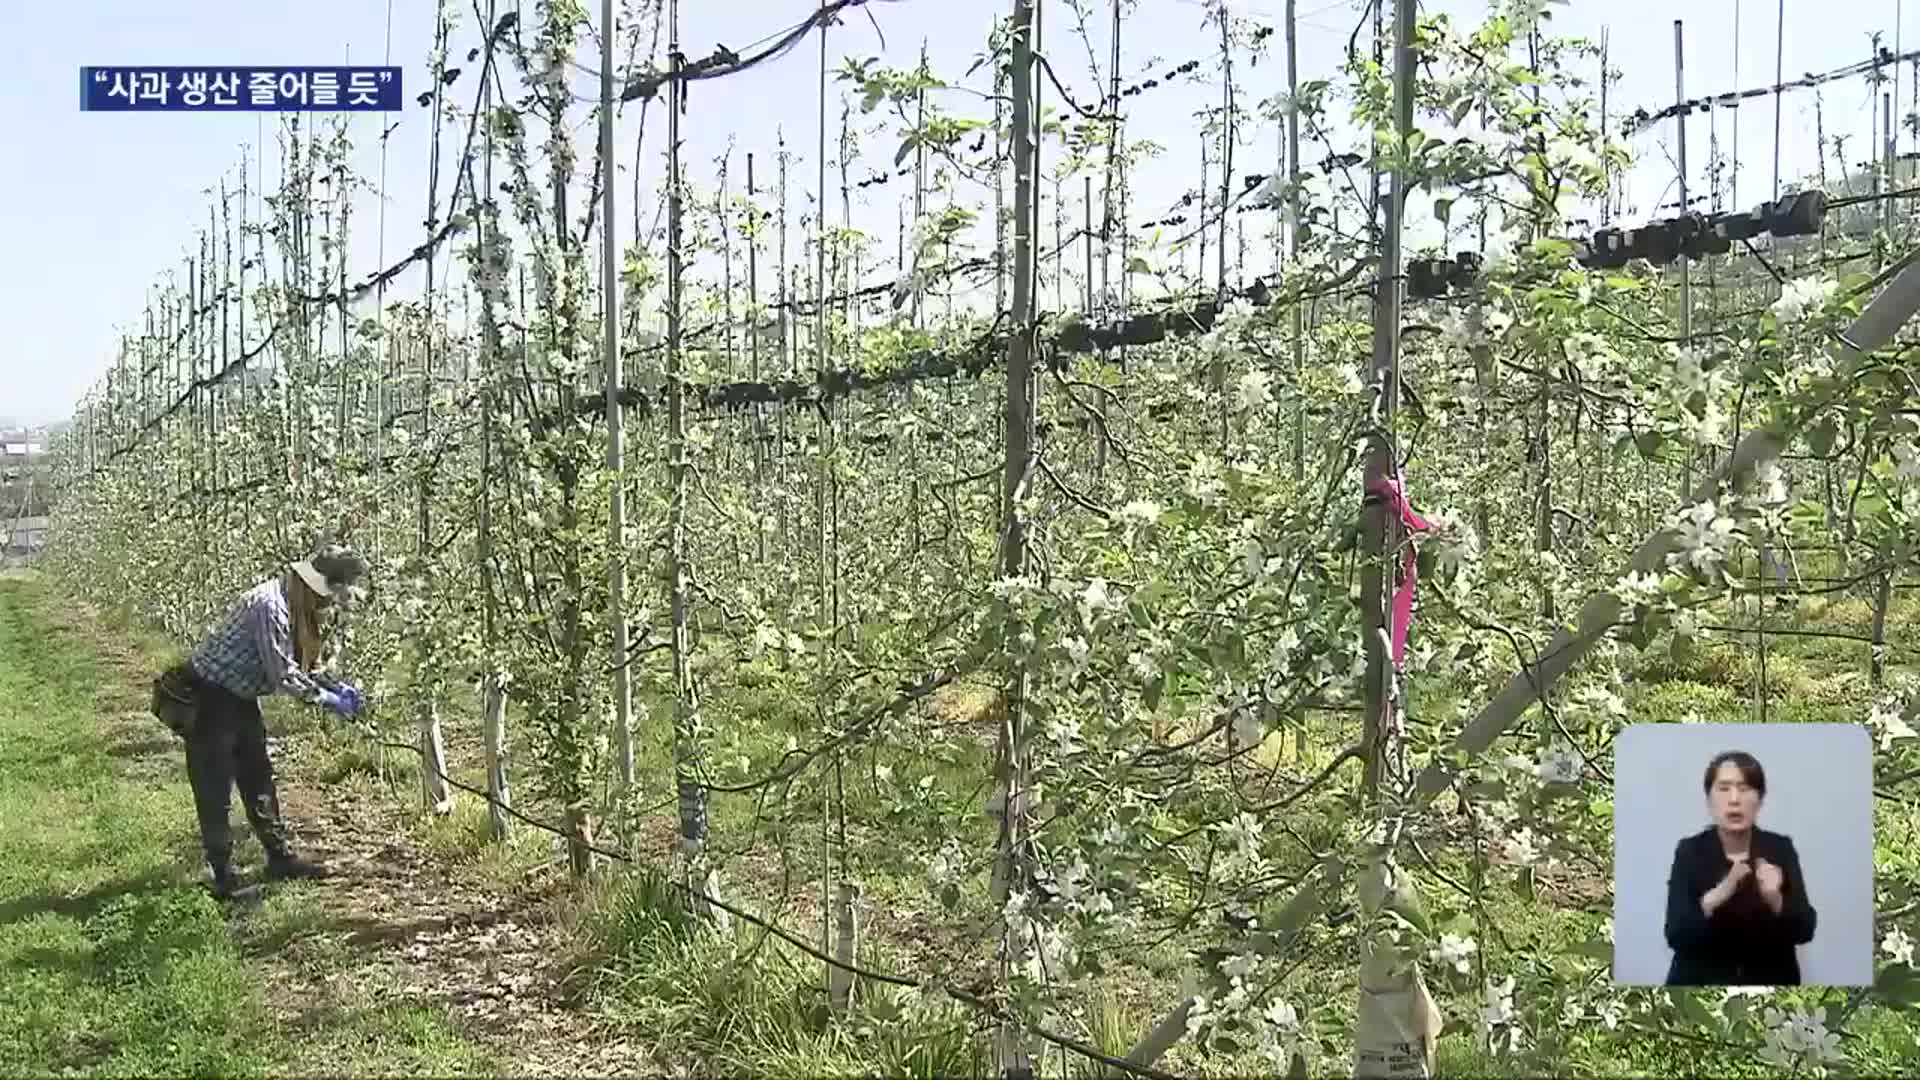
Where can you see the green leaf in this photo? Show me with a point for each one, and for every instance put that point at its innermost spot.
(1596, 948)
(1693, 1009)
(1138, 265)
(1648, 443)
(1821, 436)
(1491, 790)
(1682, 650)
(1898, 985)
(1461, 110)
(1443, 210)
(906, 148)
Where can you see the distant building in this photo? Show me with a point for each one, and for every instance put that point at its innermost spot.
(21, 538)
(23, 502)
(21, 444)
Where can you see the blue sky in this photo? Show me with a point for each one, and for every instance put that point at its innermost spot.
(96, 206)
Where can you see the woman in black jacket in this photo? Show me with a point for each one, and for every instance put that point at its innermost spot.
(1736, 900)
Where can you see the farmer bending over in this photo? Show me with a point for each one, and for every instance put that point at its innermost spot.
(268, 642)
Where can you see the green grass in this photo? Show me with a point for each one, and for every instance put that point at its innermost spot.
(114, 961)
(742, 1003)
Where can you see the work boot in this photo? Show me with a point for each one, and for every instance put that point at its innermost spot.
(226, 885)
(290, 866)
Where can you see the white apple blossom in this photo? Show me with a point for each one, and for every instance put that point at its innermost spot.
(1898, 946)
(1282, 1017)
(1524, 14)
(1283, 647)
(1770, 482)
(1638, 587)
(1199, 1015)
(944, 868)
(1050, 953)
(1796, 1037)
(1011, 589)
(1242, 834)
(1799, 297)
(1239, 966)
(1141, 512)
(1078, 652)
(1690, 374)
(1096, 600)
(1559, 765)
(1601, 700)
(1521, 847)
(1204, 484)
(1497, 1018)
(1253, 558)
(1498, 813)
(1707, 427)
(1589, 352)
(1454, 952)
(1279, 1033)
(1453, 543)
(1247, 729)
(1255, 390)
(1704, 537)
(1065, 733)
(1906, 460)
(1888, 723)
(1143, 666)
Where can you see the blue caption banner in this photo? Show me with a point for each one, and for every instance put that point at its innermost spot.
(174, 88)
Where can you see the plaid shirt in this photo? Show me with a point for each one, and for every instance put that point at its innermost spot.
(250, 653)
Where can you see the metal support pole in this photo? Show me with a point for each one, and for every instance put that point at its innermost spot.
(1293, 240)
(616, 418)
(1381, 524)
(1779, 57)
(1886, 114)
(1680, 97)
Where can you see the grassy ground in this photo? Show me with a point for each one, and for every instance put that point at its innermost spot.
(102, 931)
(113, 959)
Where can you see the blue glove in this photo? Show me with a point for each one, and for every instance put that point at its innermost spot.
(344, 697)
(337, 702)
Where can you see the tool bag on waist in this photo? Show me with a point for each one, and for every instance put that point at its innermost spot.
(174, 701)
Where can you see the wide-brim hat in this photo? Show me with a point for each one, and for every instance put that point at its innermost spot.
(333, 571)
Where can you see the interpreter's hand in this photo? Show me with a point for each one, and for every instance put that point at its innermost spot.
(1771, 881)
(1724, 891)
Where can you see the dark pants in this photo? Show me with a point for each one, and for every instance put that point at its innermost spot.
(229, 746)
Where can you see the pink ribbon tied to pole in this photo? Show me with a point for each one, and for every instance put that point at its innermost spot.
(1393, 491)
